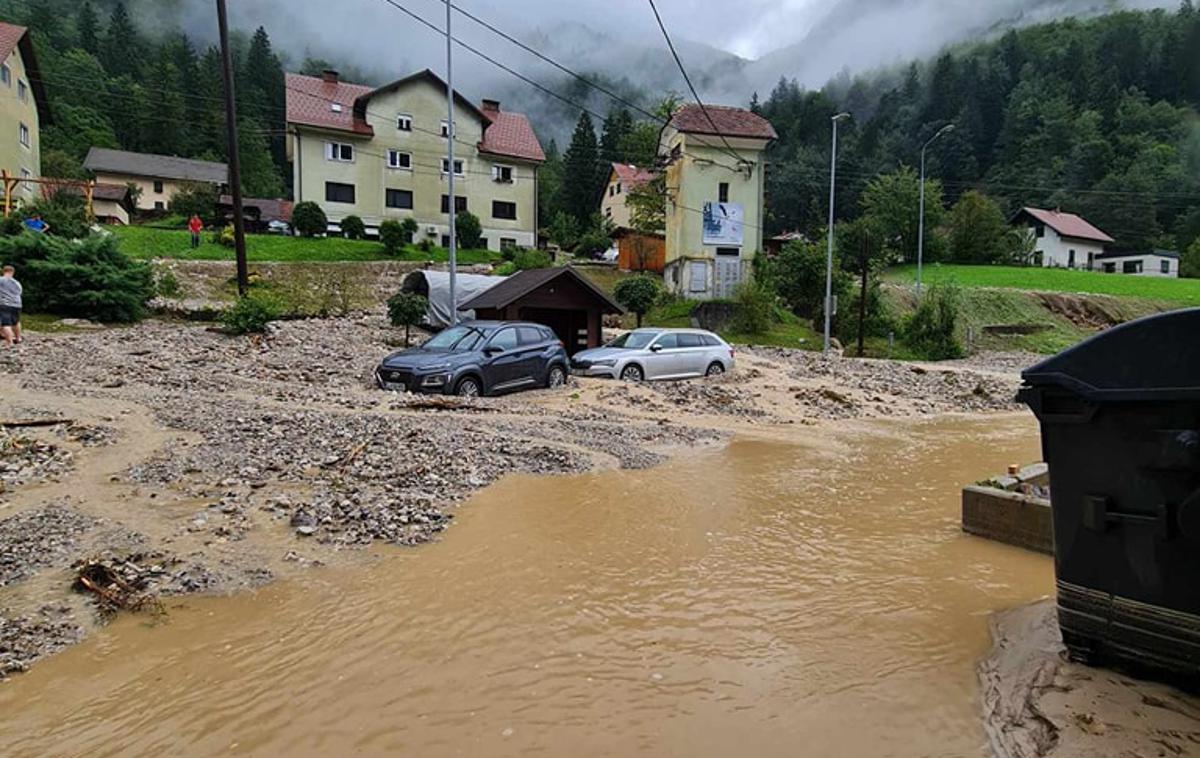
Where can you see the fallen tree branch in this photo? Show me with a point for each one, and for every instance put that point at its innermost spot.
(33, 422)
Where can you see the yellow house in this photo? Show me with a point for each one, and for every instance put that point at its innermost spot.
(622, 178)
(23, 109)
(158, 177)
(381, 153)
(714, 209)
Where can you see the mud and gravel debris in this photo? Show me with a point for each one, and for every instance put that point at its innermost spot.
(26, 637)
(28, 459)
(34, 539)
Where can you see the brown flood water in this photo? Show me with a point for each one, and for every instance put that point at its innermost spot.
(761, 600)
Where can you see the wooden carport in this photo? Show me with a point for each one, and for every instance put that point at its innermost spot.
(559, 298)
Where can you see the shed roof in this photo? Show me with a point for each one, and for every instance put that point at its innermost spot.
(101, 159)
(522, 283)
(1066, 224)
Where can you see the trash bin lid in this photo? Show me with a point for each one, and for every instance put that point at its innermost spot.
(1153, 358)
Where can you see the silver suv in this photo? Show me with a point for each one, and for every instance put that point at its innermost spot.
(657, 354)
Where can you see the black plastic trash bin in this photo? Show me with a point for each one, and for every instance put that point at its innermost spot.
(1120, 418)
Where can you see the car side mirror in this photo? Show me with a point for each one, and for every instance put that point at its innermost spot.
(655, 348)
(492, 351)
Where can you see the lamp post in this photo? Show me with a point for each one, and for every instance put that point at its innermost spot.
(921, 220)
(829, 259)
(452, 249)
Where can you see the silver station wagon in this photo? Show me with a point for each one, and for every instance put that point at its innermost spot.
(657, 354)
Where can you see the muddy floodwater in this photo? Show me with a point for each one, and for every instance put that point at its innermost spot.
(762, 599)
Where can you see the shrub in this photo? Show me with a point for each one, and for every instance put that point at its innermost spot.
(11, 226)
(591, 243)
(799, 273)
(66, 213)
(250, 315)
(409, 227)
(930, 331)
(225, 237)
(564, 230)
(508, 268)
(391, 234)
(353, 228)
(309, 220)
(89, 278)
(406, 309)
(755, 308)
(167, 285)
(524, 260)
(470, 231)
(638, 294)
(425, 245)
(1189, 262)
(196, 199)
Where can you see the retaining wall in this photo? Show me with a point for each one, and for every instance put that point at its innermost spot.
(1005, 511)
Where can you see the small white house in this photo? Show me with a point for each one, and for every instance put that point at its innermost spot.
(1064, 240)
(1161, 263)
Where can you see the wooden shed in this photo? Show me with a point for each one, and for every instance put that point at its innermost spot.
(560, 298)
(641, 252)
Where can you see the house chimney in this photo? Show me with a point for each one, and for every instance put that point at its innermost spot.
(491, 106)
(330, 76)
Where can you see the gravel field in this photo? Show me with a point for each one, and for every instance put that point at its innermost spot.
(190, 461)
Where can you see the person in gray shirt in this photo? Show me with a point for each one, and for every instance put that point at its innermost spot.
(10, 307)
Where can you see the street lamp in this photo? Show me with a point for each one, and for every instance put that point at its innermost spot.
(829, 260)
(921, 221)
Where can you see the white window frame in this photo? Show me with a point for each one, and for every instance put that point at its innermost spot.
(23, 134)
(334, 151)
(404, 122)
(498, 170)
(446, 129)
(460, 167)
(336, 107)
(394, 160)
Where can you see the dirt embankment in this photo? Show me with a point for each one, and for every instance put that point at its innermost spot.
(189, 461)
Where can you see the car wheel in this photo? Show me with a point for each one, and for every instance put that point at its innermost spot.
(556, 377)
(716, 369)
(468, 386)
(632, 373)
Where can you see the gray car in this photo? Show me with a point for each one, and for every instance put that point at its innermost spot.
(657, 354)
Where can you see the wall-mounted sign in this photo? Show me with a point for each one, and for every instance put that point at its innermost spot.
(723, 223)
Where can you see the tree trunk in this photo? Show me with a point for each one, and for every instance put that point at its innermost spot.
(639, 320)
(406, 340)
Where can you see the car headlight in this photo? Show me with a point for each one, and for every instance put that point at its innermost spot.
(435, 380)
(606, 363)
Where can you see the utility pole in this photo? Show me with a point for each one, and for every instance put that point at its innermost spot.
(829, 261)
(921, 219)
(235, 163)
(452, 251)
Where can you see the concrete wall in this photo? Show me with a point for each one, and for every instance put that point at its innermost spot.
(371, 175)
(18, 159)
(694, 178)
(1000, 511)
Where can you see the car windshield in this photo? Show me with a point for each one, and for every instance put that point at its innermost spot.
(633, 340)
(456, 339)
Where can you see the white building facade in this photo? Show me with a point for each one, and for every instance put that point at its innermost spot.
(1063, 240)
(1159, 263)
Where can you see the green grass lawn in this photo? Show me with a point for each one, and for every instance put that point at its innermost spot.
(1182, 291)
(147, 242)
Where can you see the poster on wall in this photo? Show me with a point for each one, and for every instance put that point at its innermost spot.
(723, 224)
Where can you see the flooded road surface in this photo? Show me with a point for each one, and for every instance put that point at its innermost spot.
(761, 600)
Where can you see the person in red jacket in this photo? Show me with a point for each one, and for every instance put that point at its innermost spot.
(195, 226)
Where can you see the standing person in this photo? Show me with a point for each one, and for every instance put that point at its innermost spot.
(195, 226)
(35, 224)
(10, 307)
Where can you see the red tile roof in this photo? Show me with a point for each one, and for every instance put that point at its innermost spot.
(311, 101)
(630, 175)
(269, 209)
(511, 135)
(10, 35)
(1068, 224)
(729, 121)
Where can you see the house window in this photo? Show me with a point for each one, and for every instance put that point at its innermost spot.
(159, 205)
(404, 122)
(339, 151)
(446, 128)
(507, 243)
(460, 204)
(618, 188)
(1039, 231)
(23, 91)
(336, 192)
(397, 198)
(612, 190)
(732, 252)
(397, 159)
(502, 174)
(6, 75)
(1165, 267)
(1131, 267)
(23, 135)
(1091, 261)
(1070, 259)
(158, 188)
(458, 166)
(504, 210)
(723, 192)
